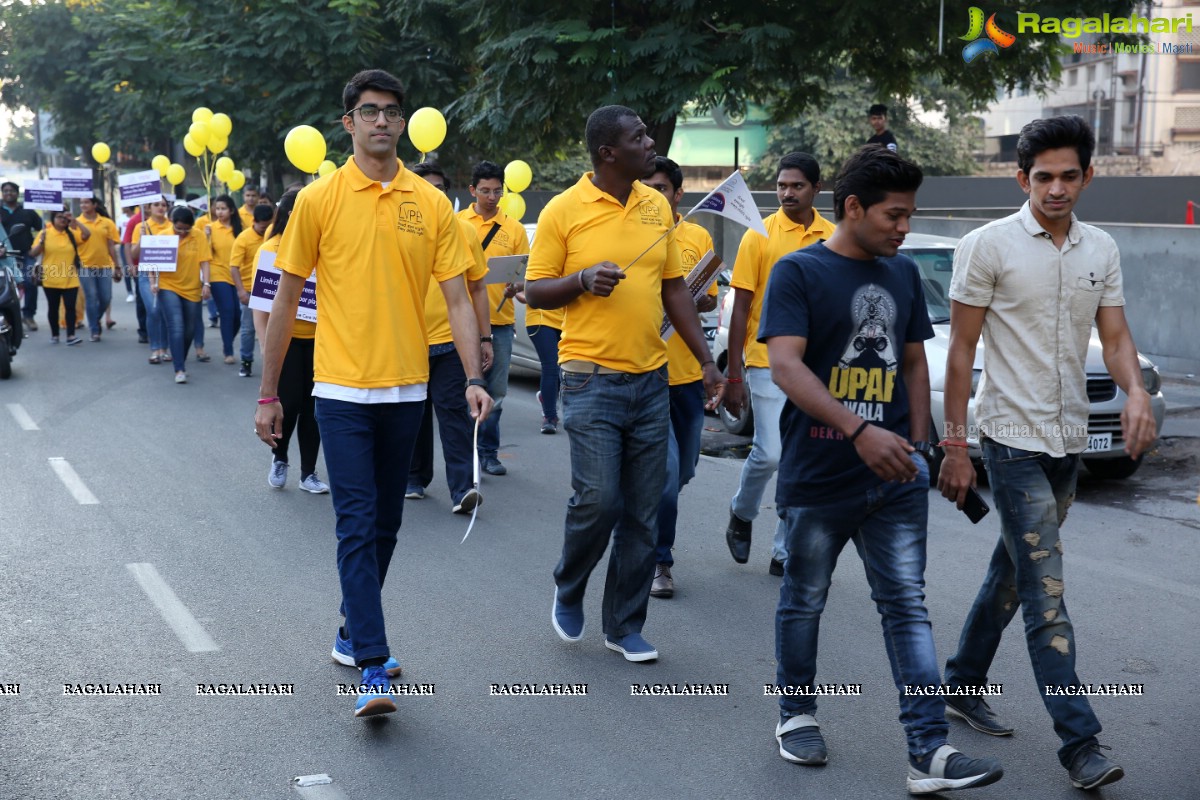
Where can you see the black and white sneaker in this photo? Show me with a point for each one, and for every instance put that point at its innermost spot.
(947, 769)
(800, 740)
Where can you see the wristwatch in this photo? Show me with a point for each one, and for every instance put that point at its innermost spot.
(485, 339)
(476, 382)
(925, 449)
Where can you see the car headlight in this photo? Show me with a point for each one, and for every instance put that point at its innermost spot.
(976, 374)
(1152, 380)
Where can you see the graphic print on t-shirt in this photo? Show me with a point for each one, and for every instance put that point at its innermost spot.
(864, 378)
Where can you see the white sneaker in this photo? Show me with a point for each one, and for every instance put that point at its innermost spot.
(129, 298)
(314, 485)
(469, 500)
(181, 377)
(277, 477)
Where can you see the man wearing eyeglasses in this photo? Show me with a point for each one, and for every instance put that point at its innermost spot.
(375, 235)
(500, 235)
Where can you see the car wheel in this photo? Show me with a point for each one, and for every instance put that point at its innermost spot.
(738, 427)
(1112, 468)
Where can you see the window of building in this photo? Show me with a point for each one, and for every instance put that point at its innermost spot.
(1187, 75)
(1072, 77)
(1091, 78)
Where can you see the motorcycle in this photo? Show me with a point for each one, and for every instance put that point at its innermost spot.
(12, 331)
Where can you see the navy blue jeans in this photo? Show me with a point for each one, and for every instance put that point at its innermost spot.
(618, 427)
(455, 426)
(687, 423)
(28, 267)
(230, 311)
(888, 525)
(180, 318)
(497, 378)
(545, 340)
(366, 448)
(1032, 492)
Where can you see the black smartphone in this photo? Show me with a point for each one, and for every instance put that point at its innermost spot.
(974, 506)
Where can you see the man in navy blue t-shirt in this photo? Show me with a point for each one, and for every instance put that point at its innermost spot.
(845, 326)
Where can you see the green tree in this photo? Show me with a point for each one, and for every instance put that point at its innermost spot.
(21, 148)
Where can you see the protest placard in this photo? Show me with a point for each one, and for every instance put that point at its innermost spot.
(137, 188)
(698, 280)
(76, 182)
(266, 283)
(159, 253)
(44, 195)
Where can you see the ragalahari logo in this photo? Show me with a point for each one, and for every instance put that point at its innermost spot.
(996, 38)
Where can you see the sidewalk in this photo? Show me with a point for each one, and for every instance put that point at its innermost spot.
(1182, 394)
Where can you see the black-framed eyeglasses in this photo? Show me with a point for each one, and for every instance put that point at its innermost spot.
(370, 112)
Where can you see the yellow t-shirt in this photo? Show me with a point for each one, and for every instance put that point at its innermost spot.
(222, 248)
(58, 260)
(437, 314)
(247, 215)
(510, 240)
(375, 250)
(185, 280)
(244, 256)
(756, 257)
(164, 228)
(583, 226)
(301, 329)
(94, 252)
(694, 242)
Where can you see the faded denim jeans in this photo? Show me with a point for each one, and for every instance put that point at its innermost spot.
(767, 400)
(618, 427)
(888, 525)
(1032, 493)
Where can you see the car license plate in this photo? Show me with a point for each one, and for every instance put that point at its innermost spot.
(1099, 443)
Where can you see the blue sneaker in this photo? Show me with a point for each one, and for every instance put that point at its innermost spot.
(343, 653)
(415, 491)
(375, 697)
(632, 646)
(946, 769)
(567, 621)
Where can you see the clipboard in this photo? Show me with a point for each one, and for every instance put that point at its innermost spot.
(506, 269)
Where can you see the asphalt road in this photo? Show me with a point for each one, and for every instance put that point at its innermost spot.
(179, 483)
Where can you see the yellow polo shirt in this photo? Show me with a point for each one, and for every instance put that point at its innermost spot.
(94, 252)
(583, 226)
(756, 257)
(185, 280)
(244, 256)
(58, 260)
(165, 228)
(694, 241)
(510, 240)
(301, 329)
(222, 249)
(247, 215)
(375, 250)
(437, 314)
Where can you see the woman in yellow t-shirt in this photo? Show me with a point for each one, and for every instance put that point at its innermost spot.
(295, 382)
(224, 228)
(58, 245)
(153, 224)
(181, 292)
(99, 258)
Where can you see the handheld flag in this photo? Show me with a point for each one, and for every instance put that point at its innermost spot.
(732, 200)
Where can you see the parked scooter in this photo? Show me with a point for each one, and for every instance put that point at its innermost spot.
(11, 329)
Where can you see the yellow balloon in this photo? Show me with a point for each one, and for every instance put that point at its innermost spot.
(224, 168)
(427, 129)
(517, 176)
(305, 148)
(236, 181)
(202, 114)
(217, 144)
(221, 125)
(513, 205)
(160, 164)
(101, 153)
(200, 133)
(175, 174)
(326, 168)
(192, 147)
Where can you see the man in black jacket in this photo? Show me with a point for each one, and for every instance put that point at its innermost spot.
(11, 213)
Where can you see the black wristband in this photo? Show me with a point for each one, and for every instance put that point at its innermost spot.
(861, 428)
(476, 382)
(485, 339)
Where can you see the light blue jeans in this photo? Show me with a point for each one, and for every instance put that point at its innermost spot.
(156, 329)
(767, 400)
(497, 378)
(97, 286)
(247, 343)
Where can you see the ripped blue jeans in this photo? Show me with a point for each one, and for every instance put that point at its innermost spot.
(1032, 493)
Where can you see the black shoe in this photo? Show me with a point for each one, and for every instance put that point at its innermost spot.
(737, 536)
(946, 769)
(213, 322)
(977, 713)
(1090, 768)
(776, 568)
(800, 741)
(244, 370)
(492, 466)
(143, 339)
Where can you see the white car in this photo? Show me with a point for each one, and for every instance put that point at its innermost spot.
(934, 255)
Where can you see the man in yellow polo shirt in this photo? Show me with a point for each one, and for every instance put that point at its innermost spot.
(455, 427)
(249, 201)
(606, 252)
(501, 235)
(794, 226)
(242, 263)
(687, 388)
(376, 235)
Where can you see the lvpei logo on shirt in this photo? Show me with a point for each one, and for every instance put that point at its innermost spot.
(410, 219)
(650, 213)
(996, 38)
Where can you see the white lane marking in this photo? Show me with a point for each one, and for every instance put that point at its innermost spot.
(172, 609)
(22, 417)
(317, 787)
(70, 478)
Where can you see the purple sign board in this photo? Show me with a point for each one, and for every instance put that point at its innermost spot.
(137, 188)
(44, 195)
(76, 183)
(266, 283)
(159, 253)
